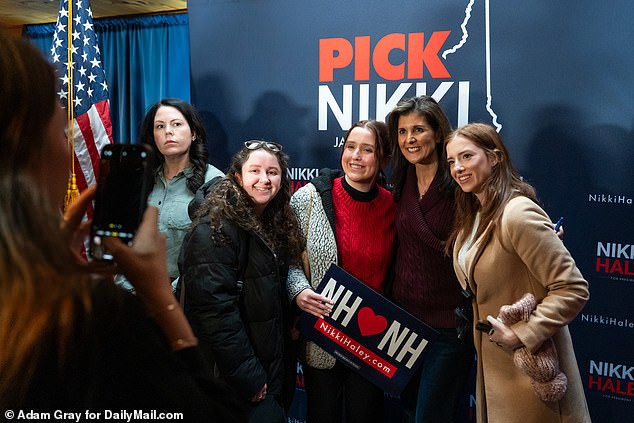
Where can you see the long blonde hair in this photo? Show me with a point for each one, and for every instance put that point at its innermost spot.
(43, 294)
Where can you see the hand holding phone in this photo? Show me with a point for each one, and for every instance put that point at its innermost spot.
(123, 187)
(559, 223)
(144, 263)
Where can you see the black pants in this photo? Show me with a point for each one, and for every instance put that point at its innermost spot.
(333, 393)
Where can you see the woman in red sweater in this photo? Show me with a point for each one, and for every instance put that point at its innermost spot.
(349, 220)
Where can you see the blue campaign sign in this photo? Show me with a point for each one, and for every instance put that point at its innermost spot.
(367, 332)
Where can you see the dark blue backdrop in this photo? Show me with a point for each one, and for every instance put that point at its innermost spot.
(555, 76)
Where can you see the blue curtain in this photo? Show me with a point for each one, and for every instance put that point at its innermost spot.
(145, 58)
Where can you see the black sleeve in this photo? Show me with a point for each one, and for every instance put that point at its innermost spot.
(200, 194)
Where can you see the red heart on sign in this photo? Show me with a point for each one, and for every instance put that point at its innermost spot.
(370, 323)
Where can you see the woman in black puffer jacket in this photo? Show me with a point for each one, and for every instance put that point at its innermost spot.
(245, 231)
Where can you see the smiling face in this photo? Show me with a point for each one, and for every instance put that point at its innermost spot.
(358, 161)
(172, 134)
(417, 139)
(470, 165)
(261, 177)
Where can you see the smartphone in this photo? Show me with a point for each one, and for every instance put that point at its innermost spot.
(123, 186)
(483, 325)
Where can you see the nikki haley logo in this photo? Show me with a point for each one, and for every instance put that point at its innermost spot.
(337, 53)
(417, 58)
(612, 379)
(300, 176)
(605, 320)
(367, 332)
(612, 199)
(616, 260)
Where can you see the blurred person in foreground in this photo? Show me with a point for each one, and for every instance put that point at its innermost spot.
(70, 339)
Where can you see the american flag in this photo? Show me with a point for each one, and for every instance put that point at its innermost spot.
(91, 127)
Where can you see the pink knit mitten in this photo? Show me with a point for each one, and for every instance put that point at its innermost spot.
(548, 382)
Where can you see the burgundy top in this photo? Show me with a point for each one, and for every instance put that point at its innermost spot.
(425, 283)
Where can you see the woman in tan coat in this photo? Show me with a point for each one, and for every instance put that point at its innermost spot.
(504, 246)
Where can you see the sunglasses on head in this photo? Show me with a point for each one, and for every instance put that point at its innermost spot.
(255, 144)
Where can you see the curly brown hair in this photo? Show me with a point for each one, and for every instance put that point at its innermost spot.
(277, 224)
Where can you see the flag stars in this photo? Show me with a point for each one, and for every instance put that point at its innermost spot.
(72, 65)
(84, 80)
(83, 77)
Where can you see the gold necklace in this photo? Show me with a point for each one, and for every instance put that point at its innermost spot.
(423, 191)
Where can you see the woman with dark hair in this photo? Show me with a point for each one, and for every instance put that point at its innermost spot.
(504, 247)
(70, 340)
(234, 266)
(348, 218)
(174, 130)
(424, 282)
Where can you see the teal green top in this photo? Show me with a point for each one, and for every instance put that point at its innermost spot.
(172, 200)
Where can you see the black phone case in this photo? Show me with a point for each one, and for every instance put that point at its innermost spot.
(483, 326)
(120, 201)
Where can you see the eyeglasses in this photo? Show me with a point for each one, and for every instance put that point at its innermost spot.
(255, 144)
